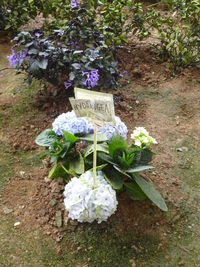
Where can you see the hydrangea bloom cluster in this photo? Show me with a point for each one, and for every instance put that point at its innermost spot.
(14, 58)
(92, 78)
(70, 123)
(141, 138)
(74, 4)
(119, 128)
(87, 203)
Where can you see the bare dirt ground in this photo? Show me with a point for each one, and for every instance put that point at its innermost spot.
(138, 234)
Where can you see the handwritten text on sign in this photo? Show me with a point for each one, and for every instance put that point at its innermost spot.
(97, 106)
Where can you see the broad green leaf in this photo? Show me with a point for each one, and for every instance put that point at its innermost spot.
(77, 66)
(139, 169)
(151, 192)
(146, 157)
(90, 138)
(77, 165)
(105, 157)
(121, 171)
(114, 178)
(68, 171)
(100, 147)
(46, 138)
(117, 144)
(56, 172)
(43, 64)
(69, 137)
(134, 191)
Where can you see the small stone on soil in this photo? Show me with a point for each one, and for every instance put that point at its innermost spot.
(182, 149)
(7, 210)
(52, 202)
(17, 224)
(58, 219)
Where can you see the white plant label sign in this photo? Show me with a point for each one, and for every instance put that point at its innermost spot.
(98, 108)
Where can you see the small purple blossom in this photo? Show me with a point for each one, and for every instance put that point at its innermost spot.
(37, 34)
(74, 4)
(14, 58)
(73, 43)
(68, 84)
(92, 78)
(124, 73)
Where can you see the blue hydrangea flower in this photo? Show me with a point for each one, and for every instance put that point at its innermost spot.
(14, 58)
(74, 4)
(81, 126)
(92, 78)
(119, 128)
(70, 123)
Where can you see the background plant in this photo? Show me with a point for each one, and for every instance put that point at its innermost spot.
(79, 59)
(86, 37)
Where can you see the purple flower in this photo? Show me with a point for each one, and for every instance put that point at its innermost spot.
(92, 78)
(37, 34)
(73, 43)
(68, 84)
(124, 73)
(14, 58)
(74, 4)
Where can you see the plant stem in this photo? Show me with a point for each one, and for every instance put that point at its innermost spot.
(95, 157)
(6, 69)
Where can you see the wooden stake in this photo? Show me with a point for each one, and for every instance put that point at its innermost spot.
(95, 157)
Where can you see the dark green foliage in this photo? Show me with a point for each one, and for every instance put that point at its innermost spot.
(66, 54)
(127, 162)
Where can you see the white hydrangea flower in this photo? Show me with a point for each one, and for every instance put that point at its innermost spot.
(86, 203)
(70, 123)
(141, 138)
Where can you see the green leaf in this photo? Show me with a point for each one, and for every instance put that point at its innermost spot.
(139, 169)
(33, 51)
(34, 67)
(77, 165)
(134, 191)
(56, 172)
(146, 157)
(100, 147)
(117, 144)
(113, 177)
(105, 157)
(46, 138)
(90, 138)
(78, 52)
(99, 168)
(43, 64)
(150, 192)
(68, 137)
(71, 76)
(121, 171)
(76, 66)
